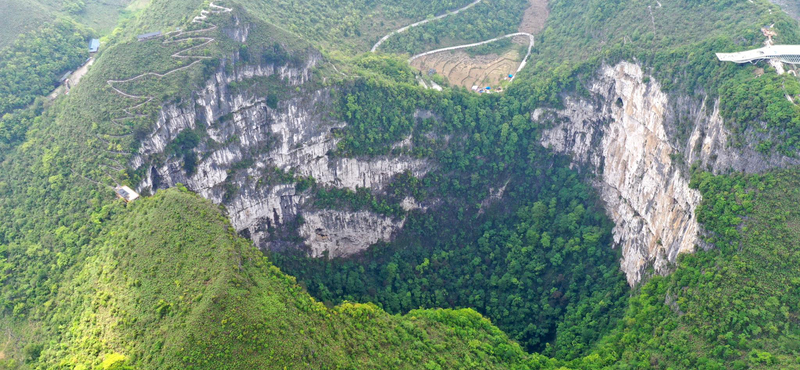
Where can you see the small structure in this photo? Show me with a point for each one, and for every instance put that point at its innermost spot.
(64, 78)
(125, 193)
(149, 36)
(94, 45)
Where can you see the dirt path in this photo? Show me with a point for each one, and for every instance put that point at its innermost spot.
(403, 29)
(74, 79)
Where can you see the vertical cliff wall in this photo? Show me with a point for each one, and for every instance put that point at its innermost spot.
(625, 133)
(622, 136)
(248, 141)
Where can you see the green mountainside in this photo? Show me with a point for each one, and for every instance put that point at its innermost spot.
(24, 16)
(167, 285)
(89, 282)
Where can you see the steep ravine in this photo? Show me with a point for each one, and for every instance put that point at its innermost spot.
(623, 133)
(248, 140)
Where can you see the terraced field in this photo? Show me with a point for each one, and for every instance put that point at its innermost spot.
(478, 72)
(460, 69)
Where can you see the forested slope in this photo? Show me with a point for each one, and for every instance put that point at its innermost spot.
(41, 41)
(88, 282)
(734, 307)
(165, 284)
(25, 16)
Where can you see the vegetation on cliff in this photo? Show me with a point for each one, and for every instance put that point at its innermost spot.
(88, 282)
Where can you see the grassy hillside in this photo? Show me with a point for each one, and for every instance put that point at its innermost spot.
(485, 21)
(163, 283)
(166, 284)
(352, 26)
(40, 41)
(24, 16)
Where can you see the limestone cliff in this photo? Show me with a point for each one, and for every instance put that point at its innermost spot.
(337, 232)
(247, 141)
(625, 133)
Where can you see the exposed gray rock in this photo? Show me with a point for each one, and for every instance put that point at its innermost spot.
(239, 32)
(258, 210)
(628, 134)
(710, 146)
(296, 137)
(495, 195)
(342, 234)
(622, 136)
(410, 204)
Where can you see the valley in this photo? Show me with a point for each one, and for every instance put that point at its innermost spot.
(322, 187)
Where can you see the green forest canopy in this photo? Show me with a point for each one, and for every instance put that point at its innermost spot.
(119, 270)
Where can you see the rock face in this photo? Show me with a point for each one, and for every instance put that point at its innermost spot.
(623, 137)
(625, 133)
(247, 141)
(789, 6)
(337, 232)
(708, 145)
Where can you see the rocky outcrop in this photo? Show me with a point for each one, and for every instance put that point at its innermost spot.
(495, 195)
(622, 136)
(248, 141)
(709, 145)
(239, 32)
(341, 234)
(628, 134)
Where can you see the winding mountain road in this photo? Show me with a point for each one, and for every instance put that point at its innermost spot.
(403, 29)
(531, 39)
(173, 37)
(451, 48)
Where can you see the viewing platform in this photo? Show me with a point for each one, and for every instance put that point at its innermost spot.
(785, 53)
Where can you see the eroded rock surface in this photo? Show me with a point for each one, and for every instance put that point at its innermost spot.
(339, 233)
(622, 136)
(250, 140)
(627, 133)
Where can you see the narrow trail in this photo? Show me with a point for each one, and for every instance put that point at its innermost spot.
(403, 29)
(111, 148)
(170, 38)
(531, 44)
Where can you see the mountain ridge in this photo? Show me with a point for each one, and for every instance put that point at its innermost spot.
(492, 204)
